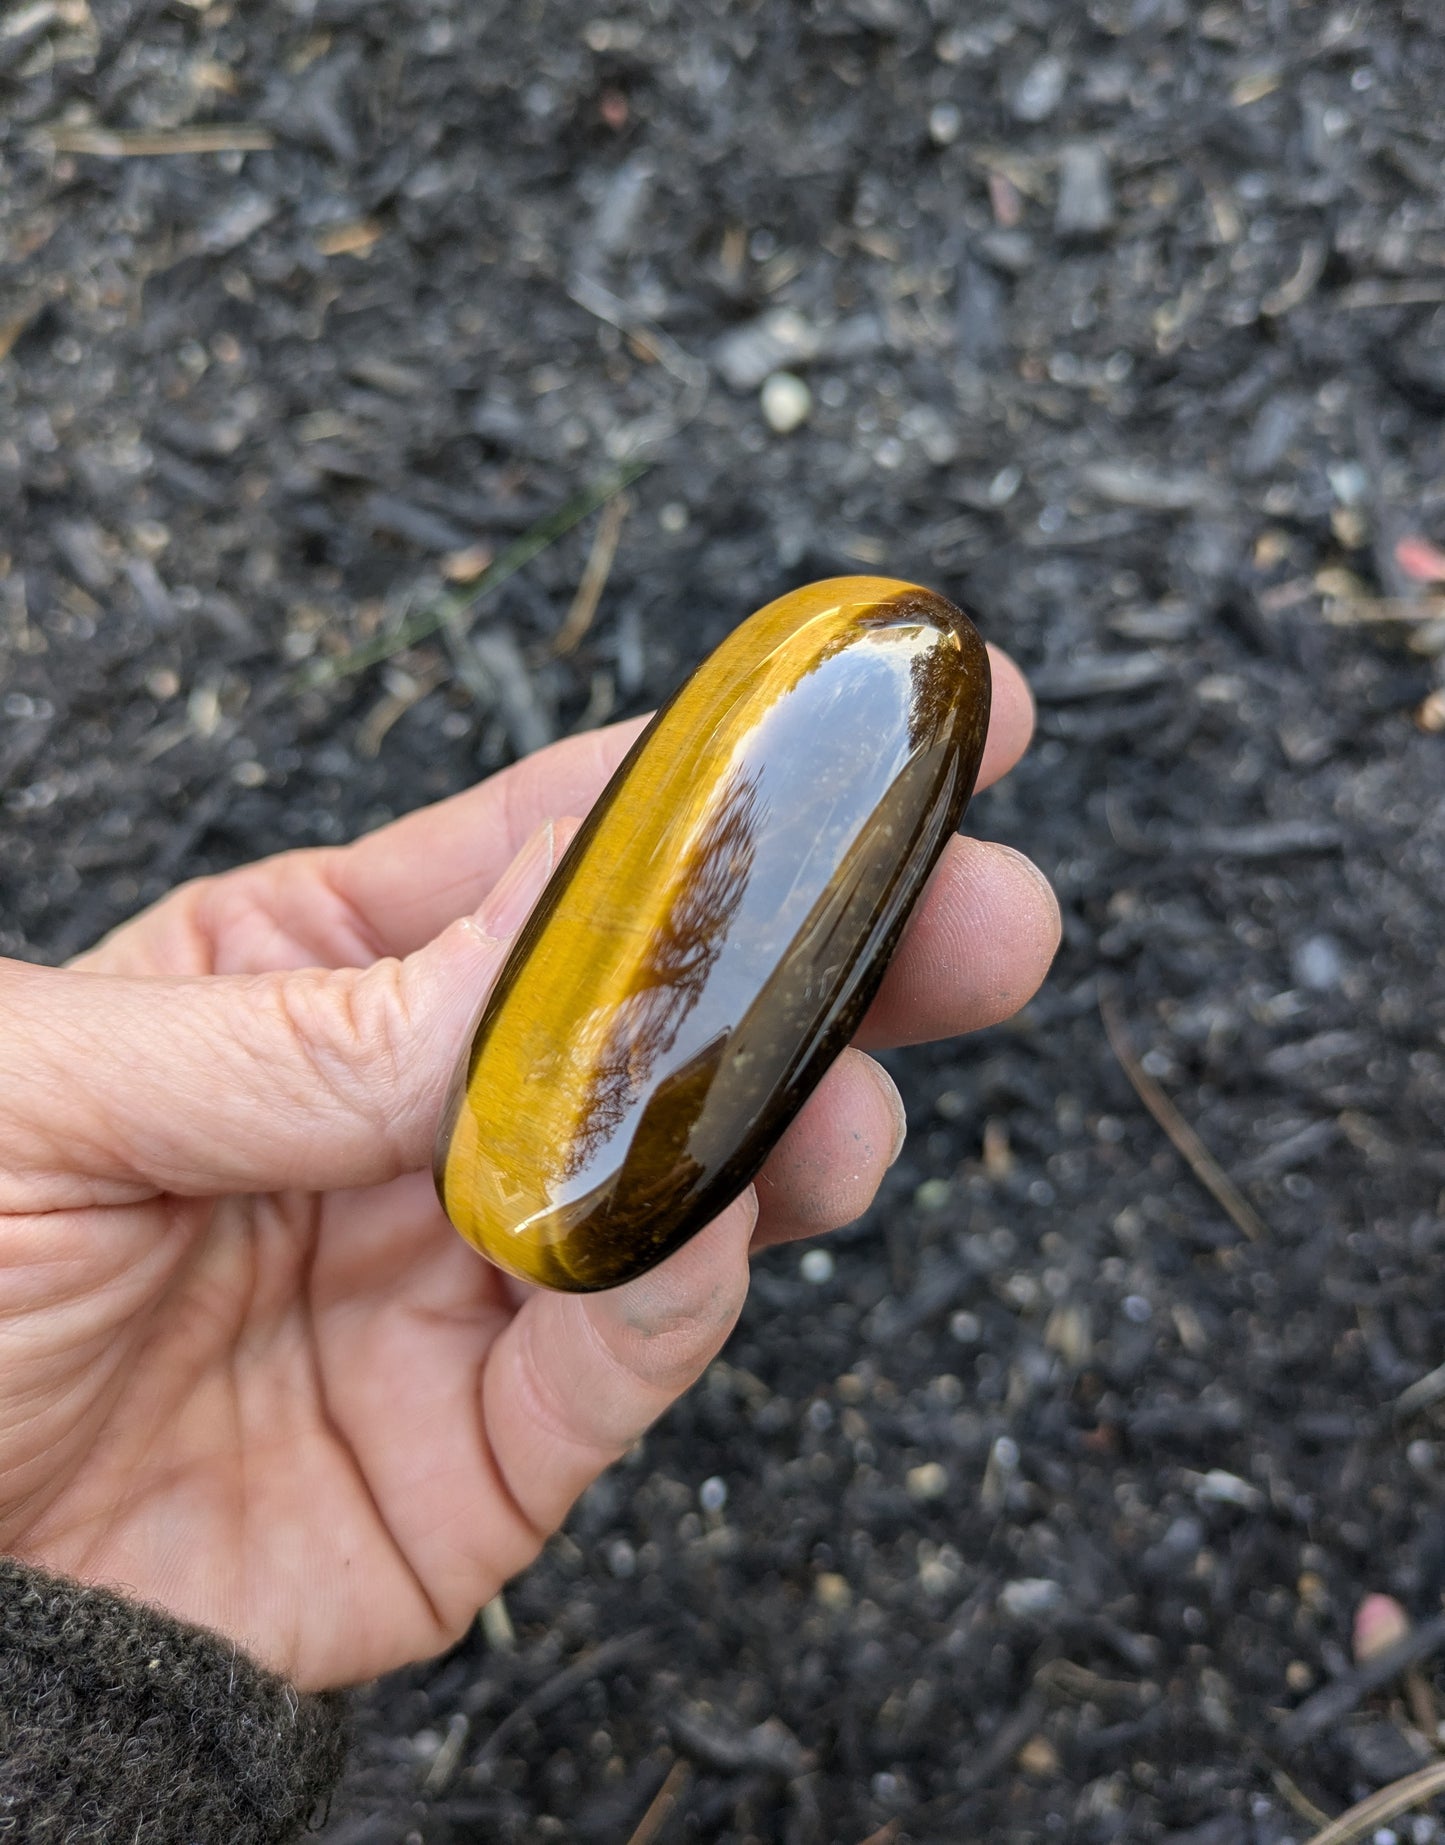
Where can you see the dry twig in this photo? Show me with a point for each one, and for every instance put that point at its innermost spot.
(1373, 293)
(1293, 1794)
(408, 689)
(588, 1668)
(497, 1625)
(444, 1762)
(1201, 1162)
(1421, 1699)
(1380, 1808)
(664, 1804)
(456, 613)
(10, 330)
(1424, 1393)
(1356, 611)
(133, 144)
(1301, 285)
(594, 577)
(657, 347)
(661, 348)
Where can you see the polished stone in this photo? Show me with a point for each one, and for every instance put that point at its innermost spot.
(715, 932)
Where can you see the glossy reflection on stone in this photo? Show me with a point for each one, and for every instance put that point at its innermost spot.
(715, 932)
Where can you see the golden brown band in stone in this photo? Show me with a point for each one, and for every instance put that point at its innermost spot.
(715, 932)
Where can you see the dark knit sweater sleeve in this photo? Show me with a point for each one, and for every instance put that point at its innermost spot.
(119, 1723)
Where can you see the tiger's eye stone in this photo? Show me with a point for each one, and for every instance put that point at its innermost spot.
(714, 933)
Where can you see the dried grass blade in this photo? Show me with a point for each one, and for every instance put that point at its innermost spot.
(1201, 1162)
(134, 144)
(456, 612)
(594, 577)
(1379, 1808)
(663, 1805)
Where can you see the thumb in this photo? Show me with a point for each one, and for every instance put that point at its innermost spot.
(310, 1079)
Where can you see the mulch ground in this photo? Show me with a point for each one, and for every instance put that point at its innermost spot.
(1044, 1509)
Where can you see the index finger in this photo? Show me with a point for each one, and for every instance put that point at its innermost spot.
(410, 879)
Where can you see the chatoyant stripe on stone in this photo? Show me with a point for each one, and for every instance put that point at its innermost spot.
(715, 932)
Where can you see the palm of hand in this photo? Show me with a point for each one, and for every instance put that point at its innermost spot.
(253, 1409)
(316, 1421)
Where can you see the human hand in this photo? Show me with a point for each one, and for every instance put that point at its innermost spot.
(251, 1374)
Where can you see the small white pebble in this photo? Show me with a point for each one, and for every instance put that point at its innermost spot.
(1219, 1487)
(929, 1481)
(673, 517)
(787, 402)
(816, 1265)
(831, 1589)
(965, 1327)
(1042, 89)
(1349, 482)
(945, 123)
(1021, 1291)
(1029, 1596)
(1318, 963)
(712, 1495)
(1004, 485)
(935, 1577)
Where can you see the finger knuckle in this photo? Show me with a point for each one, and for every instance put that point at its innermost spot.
(346, 1034)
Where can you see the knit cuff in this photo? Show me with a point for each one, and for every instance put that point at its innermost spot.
(118, 1723)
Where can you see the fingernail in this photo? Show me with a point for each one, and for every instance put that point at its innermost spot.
(900, 1114)
(511, 899)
